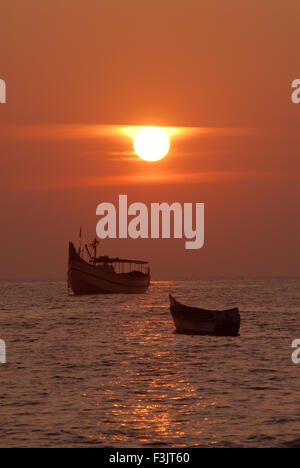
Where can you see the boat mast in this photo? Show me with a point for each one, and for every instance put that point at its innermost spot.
(80, 235)
(94, 246)
(87, 249)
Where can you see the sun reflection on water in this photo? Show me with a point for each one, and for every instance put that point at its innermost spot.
(148, 394)
(114, 374)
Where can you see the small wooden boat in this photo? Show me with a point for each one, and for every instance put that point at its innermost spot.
(197, 321)
(105, 275)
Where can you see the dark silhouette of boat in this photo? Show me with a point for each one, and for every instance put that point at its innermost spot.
(197, 321)
(105, 275)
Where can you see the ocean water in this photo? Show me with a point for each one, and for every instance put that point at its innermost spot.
(109, 371)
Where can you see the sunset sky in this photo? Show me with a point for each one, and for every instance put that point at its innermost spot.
(219, 73)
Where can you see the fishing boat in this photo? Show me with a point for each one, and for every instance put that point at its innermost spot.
(194, 320)
(105, 275)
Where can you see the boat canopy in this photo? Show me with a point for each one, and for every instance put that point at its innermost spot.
(106, 259)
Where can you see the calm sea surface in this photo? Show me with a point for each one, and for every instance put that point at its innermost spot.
(108, 371)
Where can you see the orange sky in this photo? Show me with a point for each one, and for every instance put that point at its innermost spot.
(75, 71)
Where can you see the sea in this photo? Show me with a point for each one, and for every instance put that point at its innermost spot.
(109, 371)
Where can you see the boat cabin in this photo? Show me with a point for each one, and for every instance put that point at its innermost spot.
(121, 266)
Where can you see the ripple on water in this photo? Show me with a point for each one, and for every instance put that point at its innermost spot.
(109, 371)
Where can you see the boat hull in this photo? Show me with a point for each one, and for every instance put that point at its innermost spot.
(84, 278)
(196, 321)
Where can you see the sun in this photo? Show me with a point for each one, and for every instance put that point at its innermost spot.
(151, 144)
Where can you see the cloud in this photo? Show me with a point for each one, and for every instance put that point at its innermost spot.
(157, 178)
(58, 132)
